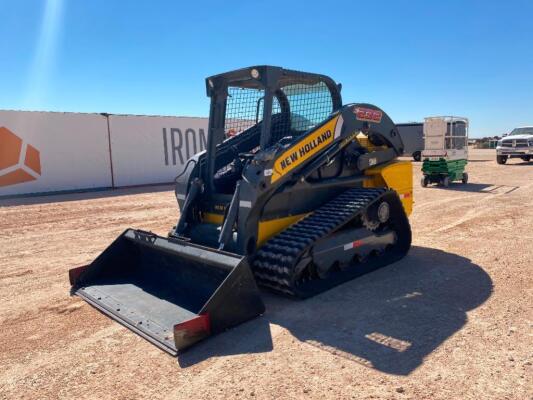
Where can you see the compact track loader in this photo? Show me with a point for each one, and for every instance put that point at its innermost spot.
(295, 192)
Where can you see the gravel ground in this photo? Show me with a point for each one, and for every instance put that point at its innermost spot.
(453, 320)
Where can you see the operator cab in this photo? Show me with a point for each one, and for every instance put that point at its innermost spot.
(255, 108)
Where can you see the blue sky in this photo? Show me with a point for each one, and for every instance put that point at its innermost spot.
(411, 58)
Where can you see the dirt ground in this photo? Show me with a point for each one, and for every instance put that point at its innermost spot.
(453, 320)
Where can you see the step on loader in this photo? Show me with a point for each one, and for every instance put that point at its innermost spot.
(295, 192)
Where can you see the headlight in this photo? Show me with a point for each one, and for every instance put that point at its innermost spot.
(499, 143)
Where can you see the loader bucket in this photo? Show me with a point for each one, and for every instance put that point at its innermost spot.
(169, 291)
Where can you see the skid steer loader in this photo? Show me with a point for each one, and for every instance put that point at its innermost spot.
(295, 192)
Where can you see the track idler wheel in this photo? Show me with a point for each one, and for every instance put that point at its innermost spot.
(376, 215)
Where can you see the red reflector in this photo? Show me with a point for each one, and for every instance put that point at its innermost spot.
(196, 327)
(74, 273)
(357, 243)
(353, 245)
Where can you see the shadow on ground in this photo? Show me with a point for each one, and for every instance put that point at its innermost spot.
(463, 187)
(518, 163)
(82, 195)
(389, 320)
(488, 188)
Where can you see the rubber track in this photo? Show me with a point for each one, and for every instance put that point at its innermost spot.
(275, 262)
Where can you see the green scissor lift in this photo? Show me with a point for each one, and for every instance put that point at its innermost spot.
(445, 152)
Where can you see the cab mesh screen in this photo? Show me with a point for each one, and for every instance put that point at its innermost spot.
(305, 106)
(309, 105)
(244, 108)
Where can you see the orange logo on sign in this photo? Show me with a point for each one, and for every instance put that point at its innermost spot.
(19, 162)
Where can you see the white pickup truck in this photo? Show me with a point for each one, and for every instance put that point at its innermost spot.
(518, 144)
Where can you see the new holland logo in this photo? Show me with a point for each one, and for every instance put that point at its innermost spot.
(19, 161)
(306, 148)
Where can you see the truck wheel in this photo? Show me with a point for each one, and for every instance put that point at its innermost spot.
(424, 181)
(526, 158)
(501, 159)
(417, 156)
(446, 181)
(465, 178)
